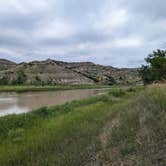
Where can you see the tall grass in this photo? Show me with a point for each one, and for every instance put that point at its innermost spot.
(69, 134)
(139, 138)
(52, 135)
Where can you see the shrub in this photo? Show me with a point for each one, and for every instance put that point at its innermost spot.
(4, 80)
(117, 92)
(131, 89)
(20, 79)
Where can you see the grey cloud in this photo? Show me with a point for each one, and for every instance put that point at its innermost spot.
(18, 21)
(148, 8)
(94, 33)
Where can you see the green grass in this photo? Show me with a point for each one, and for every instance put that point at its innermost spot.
(26, 88)
(140, 129)
(69, 134)
(52, 135)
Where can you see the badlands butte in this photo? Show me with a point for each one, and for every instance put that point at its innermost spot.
(52, 72)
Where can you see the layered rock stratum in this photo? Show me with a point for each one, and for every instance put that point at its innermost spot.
(58, 72)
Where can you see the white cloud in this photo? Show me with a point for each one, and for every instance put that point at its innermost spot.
(128, 42)
(54, 29)
(110, 18)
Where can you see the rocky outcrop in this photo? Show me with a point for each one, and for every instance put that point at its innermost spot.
(57, 72)
(106, 74)
(45, 72)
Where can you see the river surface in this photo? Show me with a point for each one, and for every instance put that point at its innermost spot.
(16, 103)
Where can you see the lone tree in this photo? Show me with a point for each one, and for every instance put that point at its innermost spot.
(155, 70)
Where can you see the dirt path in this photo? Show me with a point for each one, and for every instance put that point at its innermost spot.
(101, 159)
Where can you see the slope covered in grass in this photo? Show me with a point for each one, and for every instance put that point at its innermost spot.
(112, 129)
(137, 134)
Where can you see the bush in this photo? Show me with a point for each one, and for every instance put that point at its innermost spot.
(117, 93)
(4, 81)
(21, 78)
(131, 89)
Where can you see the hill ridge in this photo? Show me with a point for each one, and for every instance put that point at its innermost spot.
(53, 72)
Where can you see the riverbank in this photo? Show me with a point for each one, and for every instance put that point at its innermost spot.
(33, 88)
(106, 129)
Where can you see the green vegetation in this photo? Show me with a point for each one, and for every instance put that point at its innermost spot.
(4, 80)
(26, 88)
(20, 79)
(155, 70)
(139, 135)
(112, 129)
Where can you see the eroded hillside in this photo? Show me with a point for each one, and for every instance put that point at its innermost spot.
(53, 72)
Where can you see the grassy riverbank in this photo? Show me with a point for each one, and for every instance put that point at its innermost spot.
(111, 129)
(26, 88)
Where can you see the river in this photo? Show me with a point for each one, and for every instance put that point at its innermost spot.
(16, 103)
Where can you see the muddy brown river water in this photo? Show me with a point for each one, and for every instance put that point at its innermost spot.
(16, 103)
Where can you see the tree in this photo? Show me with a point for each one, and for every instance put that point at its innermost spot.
(21, 78)
(155, 70)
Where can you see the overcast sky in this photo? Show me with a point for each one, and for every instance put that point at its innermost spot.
(120, 33)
